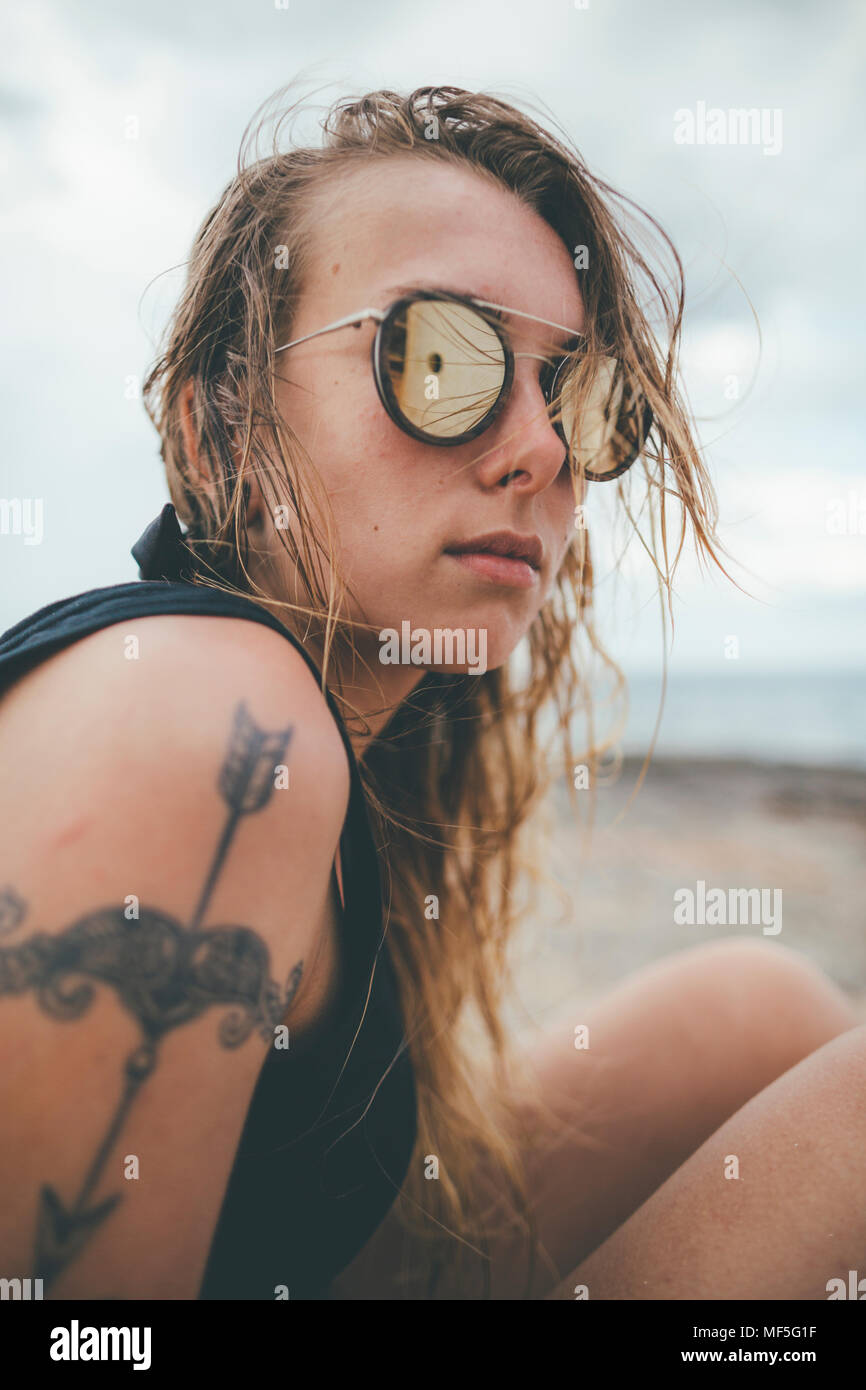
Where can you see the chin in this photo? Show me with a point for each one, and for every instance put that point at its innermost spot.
(452, 644)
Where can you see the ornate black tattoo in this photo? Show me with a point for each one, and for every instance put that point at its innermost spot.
(164, 973)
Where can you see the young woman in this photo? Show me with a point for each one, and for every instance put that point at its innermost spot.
(249, 794)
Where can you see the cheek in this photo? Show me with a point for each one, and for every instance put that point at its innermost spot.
(333, 408)
(373, 494)
(353, 436)
(379, 480)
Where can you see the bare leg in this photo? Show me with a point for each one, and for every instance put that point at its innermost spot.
(794, 1217)
(673, 1052)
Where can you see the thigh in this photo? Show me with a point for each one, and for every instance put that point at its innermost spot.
(671, 1054)
(771, 1206)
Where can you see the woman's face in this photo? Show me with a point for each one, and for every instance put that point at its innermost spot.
(400, 505)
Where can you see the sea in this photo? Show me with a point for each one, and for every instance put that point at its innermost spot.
(816, 719)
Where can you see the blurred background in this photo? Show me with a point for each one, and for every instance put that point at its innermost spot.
(120, 126)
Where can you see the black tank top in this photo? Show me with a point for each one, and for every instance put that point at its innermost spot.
(332, 1121)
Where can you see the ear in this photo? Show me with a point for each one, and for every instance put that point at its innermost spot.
(256, 510)
(189, 433)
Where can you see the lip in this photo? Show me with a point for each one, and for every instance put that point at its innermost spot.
(506, 557)
(508, 544)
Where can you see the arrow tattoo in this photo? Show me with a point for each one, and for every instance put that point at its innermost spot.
(164, 973)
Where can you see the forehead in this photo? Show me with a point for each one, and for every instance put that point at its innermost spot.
(417, 222)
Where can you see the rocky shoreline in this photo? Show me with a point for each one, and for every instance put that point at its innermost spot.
(734, 824)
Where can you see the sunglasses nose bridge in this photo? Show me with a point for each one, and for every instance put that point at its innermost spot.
(521, 422)
(547, 381)
(547, 368)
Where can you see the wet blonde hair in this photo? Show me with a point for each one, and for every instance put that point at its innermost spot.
(461, 766)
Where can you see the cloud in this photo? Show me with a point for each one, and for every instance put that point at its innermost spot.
(92, 215)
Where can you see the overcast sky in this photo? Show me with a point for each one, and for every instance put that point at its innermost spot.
(91, 218)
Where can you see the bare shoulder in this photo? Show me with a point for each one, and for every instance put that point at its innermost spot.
(124, 754)
(179, 661)
(173, 804)
(157, 695)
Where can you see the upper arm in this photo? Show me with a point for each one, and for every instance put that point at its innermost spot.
(172, 819)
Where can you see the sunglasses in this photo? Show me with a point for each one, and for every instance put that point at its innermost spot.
(444, 366)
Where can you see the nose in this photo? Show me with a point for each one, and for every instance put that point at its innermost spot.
(522, 447)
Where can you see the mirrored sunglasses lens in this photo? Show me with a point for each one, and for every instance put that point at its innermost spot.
(446, 366)
(603, 417)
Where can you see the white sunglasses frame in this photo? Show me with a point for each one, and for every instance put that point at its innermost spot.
(392, 406)
(355, 320)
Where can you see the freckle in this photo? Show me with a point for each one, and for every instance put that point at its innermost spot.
(335, 268)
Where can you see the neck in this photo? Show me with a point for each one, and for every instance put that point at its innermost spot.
(372, 691)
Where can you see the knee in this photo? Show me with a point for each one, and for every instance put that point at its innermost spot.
(790, 1001)
(831, 1078)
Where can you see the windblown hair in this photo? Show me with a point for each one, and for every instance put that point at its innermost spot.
(455, 778)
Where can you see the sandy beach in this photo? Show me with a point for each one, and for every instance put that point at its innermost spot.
(731, 824)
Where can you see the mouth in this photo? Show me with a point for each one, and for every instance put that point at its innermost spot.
(502, 556)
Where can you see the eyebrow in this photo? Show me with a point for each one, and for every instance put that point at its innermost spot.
(411, 286)
(571, 338)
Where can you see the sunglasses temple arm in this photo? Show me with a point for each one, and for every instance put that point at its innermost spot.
(351, 320)
(486, 304)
